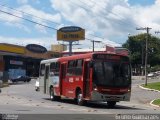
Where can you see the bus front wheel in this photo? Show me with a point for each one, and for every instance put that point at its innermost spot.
(111, 104)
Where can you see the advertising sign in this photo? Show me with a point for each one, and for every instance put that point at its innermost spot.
(71, 33)
(36, 48)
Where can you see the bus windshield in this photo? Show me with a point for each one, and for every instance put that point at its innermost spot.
(112, 74)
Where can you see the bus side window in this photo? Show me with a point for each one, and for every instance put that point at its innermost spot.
(57, 68)
(52, 69)
(70, 68)
(78, 68)
(42, 69)
(74, 67)
(63, 70)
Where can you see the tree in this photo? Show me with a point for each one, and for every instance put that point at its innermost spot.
(136, 46)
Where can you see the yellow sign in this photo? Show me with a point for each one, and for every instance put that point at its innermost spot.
(71, 33)
(13, 49)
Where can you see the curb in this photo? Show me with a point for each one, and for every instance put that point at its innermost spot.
(151, 103)
(5, 85)
(148, 89)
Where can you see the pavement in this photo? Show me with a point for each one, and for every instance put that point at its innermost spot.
(21, 98)
(153, 90)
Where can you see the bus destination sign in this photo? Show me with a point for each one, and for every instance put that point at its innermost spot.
(106, 57)
(70, 33)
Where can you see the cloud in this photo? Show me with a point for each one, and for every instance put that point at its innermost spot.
(12, 21)
(8, 18)
(46, 41)
(32, 14)
(148, 16)
(41, 17)
(22, 1)
(107, 18)
(41, 14)
(110, 19)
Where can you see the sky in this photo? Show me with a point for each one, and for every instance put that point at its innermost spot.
(109, 21)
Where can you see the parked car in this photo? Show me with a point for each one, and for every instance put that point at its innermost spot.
(153, 74)
(21, 78)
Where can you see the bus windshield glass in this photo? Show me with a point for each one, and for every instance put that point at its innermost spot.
(112, 73)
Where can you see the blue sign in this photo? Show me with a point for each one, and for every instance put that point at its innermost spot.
(36, 48)
(70, 29)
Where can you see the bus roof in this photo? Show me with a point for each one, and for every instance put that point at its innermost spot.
(87, 55)
(50, 60)
(79, 56)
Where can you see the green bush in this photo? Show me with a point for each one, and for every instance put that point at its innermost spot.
(154, 68)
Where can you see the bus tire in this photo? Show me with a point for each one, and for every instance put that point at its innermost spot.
(52, 97)
(80, 100)
(111, 104)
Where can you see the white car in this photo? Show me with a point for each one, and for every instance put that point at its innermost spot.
(151, 75)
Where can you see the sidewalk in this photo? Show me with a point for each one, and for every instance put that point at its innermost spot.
(143, 77)
(138, 77)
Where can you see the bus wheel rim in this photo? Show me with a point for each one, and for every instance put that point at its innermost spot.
(51, 96)
(79, 97)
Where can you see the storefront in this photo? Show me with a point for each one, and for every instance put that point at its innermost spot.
(18, 60)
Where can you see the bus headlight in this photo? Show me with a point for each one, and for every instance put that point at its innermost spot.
(95, 89)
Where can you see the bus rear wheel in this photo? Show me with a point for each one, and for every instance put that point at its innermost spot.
(80, 100)
(52, 97)
(111, 104)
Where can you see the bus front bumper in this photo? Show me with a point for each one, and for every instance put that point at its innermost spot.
(96, 96)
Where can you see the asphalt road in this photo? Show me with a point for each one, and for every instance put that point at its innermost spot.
(21, 98)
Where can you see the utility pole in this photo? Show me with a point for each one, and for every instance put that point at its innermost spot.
(146, 56)
(70, 46)
(93, 41)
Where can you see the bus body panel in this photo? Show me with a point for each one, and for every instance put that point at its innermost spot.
(47, 79)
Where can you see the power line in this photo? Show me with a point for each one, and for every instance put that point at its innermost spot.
(42, 25)
(4, 5)
(104, 15)
(28, 20)
(35, 22)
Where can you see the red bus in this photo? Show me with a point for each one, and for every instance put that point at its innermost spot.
(96, 77)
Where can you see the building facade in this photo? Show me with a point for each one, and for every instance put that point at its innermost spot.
(19, 60)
